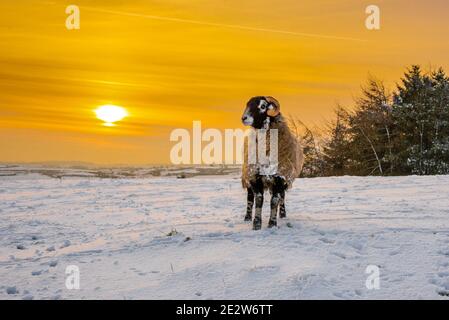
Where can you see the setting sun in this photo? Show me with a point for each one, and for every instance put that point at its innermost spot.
(110, 114)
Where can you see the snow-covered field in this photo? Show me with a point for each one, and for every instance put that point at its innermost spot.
(168, 238)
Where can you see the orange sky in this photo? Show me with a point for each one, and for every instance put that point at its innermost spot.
(169, 62)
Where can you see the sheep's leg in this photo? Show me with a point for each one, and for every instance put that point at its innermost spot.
(282, 213)
(257, 222)
(276, 198)
(258, 191)
(249, 205)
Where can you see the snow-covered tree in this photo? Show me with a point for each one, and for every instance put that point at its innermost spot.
(420, 117)
(406, 132)
(336, 152)
(370, 131)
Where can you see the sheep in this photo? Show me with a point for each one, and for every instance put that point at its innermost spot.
(264, 113)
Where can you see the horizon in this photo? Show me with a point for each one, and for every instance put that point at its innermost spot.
(74, 163)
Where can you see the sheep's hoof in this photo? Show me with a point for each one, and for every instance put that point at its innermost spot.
(248, 217)
(272, 223)
(257, 224)
(282, 215)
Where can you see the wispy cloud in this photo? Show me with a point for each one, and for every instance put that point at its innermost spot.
(223, 25)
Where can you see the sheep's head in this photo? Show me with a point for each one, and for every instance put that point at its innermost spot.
(258, 109)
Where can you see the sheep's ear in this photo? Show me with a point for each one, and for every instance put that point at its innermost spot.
(274, 108)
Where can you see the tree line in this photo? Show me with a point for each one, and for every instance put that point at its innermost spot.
(402, 132)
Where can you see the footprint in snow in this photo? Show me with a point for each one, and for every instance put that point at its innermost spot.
(326, 240)
(65, 244)
(444, 293)
(395, 252)
(12, 290)
(441, 279)
(339, 254)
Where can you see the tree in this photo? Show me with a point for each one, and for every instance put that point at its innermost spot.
(437, 160)
(313, 158)
(336, 146)
(406, 132)
(370, 131)
(420, 114)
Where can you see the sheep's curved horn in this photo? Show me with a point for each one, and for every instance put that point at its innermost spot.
(274, 107)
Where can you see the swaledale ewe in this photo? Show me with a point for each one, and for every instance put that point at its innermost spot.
(264, 113)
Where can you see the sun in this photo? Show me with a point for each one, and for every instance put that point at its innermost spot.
(110, 114)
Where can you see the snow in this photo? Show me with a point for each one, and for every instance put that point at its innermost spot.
(168, 238)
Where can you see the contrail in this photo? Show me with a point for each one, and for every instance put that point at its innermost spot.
(221, 25)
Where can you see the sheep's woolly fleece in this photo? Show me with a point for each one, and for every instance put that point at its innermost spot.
(290, 155)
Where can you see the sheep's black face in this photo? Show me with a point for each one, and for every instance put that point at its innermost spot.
(256, 112)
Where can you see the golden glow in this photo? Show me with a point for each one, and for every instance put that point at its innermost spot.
(175, 61)
(110, 114)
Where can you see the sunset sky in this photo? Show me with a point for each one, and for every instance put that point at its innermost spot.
(169, 62)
